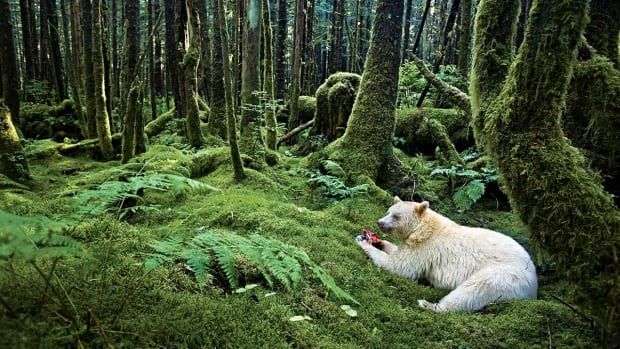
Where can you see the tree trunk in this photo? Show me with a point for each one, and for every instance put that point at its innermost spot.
(420, 30)
(238, 55)
(131, 48)
(27, 34)
(72, 71)
(129, 128)
(159, 80)
(406, 29)
(336, 57)
(8, 58)
(191, 62)
(140, 134)
(309, 66)
(54, 37)
(89, 78)
(44, 54)
(103, 121)
(13, 162)
(604, 28)
(366, 147)
(217, 117)
(464, 38)
(280, 54)
(300, 23)
(116, 69)
(517, 108)
(251, 139)
(451, 93)
(268, 85)
(172, 60)
(151, 61)
(220, 26)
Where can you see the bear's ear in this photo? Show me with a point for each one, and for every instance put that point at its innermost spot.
(421, 207)
(397, 200)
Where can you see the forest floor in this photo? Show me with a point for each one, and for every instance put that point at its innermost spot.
(106, 299)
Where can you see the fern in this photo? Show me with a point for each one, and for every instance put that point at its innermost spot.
(334, 169)
(125, 196)
(32, 238)
(469, 194)
(329, 189)
(472, 183)
(209, 250)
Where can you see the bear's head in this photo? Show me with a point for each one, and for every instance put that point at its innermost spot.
(403, 217)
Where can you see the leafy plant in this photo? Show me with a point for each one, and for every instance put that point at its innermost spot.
(125, 196)
(277, 261)
(330, 188)
(471, 183)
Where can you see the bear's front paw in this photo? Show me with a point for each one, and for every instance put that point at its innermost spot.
(363, 243)
(424, 304)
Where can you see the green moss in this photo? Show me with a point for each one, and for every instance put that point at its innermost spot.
(307, 108)
(334, 102)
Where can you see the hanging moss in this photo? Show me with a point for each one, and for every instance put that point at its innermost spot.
(421, 130)
(13, 162)
(592, 117)
(559, 198)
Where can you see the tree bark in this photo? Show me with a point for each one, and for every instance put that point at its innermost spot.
(27, 34)
(89, 77)
(251, 139)
(406, 29)
(418, 35)
(280, 54)
(54, 37)
(604, 28)
(464, 38)
(8, 68)
(217, 117)
(230, 114)
(151, 61)
(128, 144)
(104, 134)
(517, 108)
(13, 162)
(336, 57)
(268, 81)
(191, 62)
(300, 23)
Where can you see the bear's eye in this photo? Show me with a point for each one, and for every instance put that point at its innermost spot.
(396, 217)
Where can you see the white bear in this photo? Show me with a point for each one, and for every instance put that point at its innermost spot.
(480, 266)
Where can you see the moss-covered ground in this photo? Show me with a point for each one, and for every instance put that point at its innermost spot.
(107, 301)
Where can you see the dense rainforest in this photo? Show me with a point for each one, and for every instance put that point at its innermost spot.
(194, 173)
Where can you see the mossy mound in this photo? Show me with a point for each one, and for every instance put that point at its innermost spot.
(418, 129)
(334, 102)
(41, 121)
(307, 109)
(167, 308)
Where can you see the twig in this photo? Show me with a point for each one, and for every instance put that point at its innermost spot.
(9, 310)
(549, 334)
(98, 323)
(574, 309)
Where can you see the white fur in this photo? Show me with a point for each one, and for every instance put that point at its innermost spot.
(481, 266)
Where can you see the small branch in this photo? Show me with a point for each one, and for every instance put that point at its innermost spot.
(9, 310)
(574, 309)
(295, 131)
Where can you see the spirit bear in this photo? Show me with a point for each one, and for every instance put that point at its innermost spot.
(480, 266)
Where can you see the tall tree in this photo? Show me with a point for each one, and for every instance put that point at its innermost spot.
(89, 77)
(366, 147)
(157, 71)
(191, 62)
(604, 28)
(172, 53)
(217, 120)
(103, 121)
(464, 37)
(151, 61)
(517, 106)
(221, 26)
(116, 69)
(251, 141)
(54, 39)
(8, 62)
(72, 69)
(336, 56)
(298, 39)
(28, 33)
(280, 54)
(130, 71)
(420, 29)
(407, 28)
(268, 80)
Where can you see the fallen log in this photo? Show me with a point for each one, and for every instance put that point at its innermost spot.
(157, 126)
(295, 131)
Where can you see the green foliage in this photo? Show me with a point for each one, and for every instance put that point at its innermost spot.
(327, 189)
(412, 82)
(39, 91)
(32, 238)
(125, 195)
(209, 249)
(471, 183)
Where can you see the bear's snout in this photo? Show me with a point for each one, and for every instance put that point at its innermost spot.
(384, 227)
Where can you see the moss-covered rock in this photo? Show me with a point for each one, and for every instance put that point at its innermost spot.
(50, 121)
(307, 108)
(334, 102)
(421, 130)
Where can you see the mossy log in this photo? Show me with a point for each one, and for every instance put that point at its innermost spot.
(156, 126)
(89, 146)
(517, 109)
(425, 129)
(42, 121)
(13, 162)
(451, 93)
(334, 102)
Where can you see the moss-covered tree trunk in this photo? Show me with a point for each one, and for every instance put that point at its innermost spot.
(517, 109)
(28, 37)
(464, 38)
(89, 78)
(251, 139)
(280, 54)
(603, 31)
(268, 81)
(366, 147)
(220, 26)
(8, 62)
(128, 144)
(336, 54)
(139, 133)
(103, 121)
(217, 116)
(298, 38)
(54, 36)
(406, 29)
(190, 64)
(13, 162)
